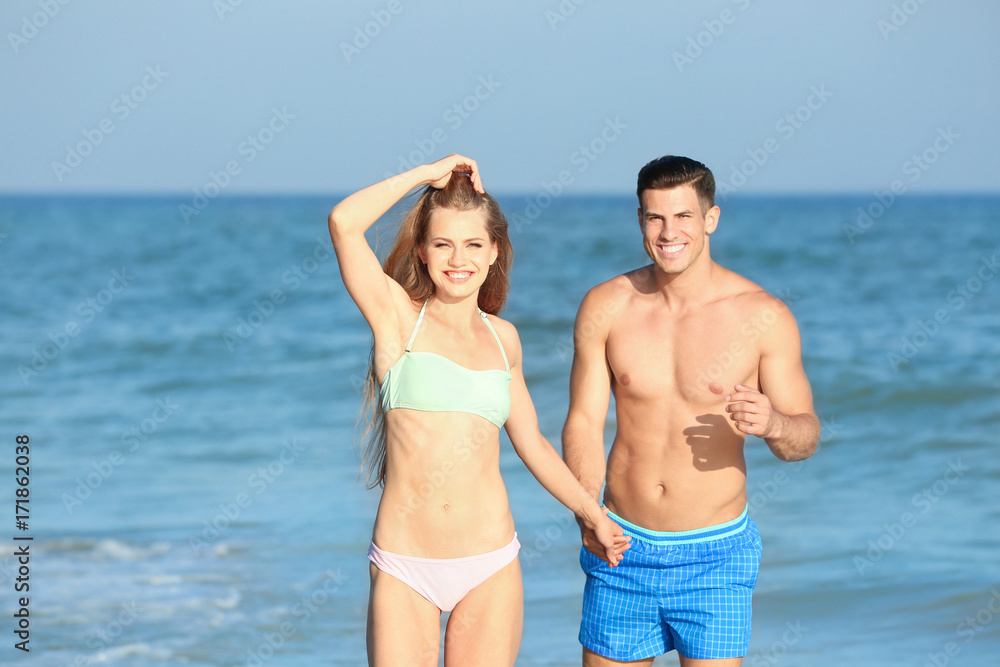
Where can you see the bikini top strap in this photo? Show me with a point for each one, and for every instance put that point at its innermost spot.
(420, 318)
(493, 331)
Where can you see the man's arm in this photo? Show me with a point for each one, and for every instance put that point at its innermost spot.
(781, 412)
(589, 392)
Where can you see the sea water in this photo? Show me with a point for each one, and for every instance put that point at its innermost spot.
(190, 390)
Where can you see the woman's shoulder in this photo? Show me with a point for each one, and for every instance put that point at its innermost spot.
(507, 332)
(501, 325)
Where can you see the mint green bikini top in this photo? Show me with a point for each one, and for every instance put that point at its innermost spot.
(430, 382)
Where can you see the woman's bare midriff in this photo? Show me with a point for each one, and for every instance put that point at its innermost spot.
(443, 496)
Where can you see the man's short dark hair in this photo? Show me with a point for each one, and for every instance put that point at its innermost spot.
(671, 171)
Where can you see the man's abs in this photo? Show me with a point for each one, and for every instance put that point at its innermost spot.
(677, 460)
(676, 484)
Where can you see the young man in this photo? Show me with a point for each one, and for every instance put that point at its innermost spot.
(697, 357)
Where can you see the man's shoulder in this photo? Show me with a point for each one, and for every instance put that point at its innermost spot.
(744, 294)
(768, 314)
(615, 294)
(624, 285)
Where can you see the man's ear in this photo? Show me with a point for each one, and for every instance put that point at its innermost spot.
(712, 219)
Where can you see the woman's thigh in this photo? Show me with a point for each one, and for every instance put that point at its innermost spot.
(485, 627)
(403, 627)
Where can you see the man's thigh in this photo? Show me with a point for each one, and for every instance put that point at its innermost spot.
(621, 608)
(591, 659)
(708, 601)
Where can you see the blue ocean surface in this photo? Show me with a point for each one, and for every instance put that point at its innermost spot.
(190, 392)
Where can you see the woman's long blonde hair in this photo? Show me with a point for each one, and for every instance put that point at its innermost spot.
(404, 265)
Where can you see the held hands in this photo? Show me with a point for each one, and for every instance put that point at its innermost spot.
(752, 412)
(440, 172)
(605, 539)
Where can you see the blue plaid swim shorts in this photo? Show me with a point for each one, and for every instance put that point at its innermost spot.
(688, 591)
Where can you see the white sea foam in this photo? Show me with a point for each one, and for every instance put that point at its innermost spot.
(136, 650)
(230, 601)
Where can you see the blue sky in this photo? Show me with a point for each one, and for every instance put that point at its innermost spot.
(310, 96)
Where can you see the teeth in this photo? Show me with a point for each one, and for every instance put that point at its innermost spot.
(672, 248)
(459, 274)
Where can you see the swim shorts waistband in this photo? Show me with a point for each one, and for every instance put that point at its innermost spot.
(706, 534)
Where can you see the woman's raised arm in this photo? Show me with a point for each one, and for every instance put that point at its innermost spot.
(374, 292)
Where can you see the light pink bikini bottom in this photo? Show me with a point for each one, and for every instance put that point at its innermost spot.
(444, 581)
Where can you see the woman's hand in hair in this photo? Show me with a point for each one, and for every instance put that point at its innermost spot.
(440, 172)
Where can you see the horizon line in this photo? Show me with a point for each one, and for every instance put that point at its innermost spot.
(496, 193)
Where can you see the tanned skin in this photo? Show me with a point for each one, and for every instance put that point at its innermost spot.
(697, 358)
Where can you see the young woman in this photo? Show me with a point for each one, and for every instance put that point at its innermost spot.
(445, 376)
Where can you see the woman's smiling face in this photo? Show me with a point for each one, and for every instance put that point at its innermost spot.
(458, 252)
